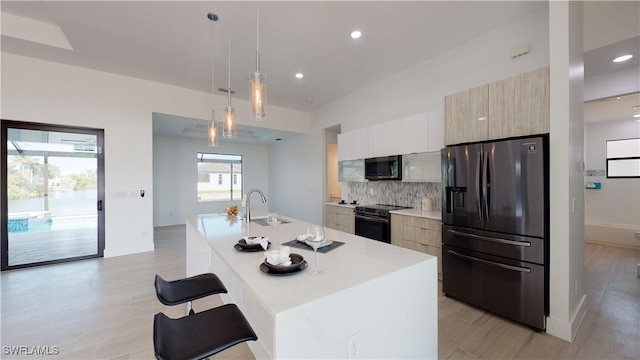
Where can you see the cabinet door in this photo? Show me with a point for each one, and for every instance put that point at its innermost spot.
(385, 139)
(397, 229)
(415, 133)
(532, 101)
(344, 146)
(502, 110)
(519, 105)
(435, 130)
(466, 116)
(360, 143)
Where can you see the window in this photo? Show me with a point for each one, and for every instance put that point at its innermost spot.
(623, 158)
(213, 169)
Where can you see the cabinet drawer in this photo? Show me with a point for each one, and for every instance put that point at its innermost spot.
(421, 222)
(423, 236)
(431, 250)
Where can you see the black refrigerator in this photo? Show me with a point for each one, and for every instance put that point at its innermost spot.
(495, 226)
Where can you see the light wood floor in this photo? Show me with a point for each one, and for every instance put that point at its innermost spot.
(100, 309)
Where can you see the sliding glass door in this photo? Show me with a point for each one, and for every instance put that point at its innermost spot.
(52, 191)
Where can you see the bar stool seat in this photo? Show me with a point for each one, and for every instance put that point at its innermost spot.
(188, 289)
(200, 335)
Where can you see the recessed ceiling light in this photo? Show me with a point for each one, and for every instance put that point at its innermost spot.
(622, 58)
(309, 99)
(356, 34)
(636, 115)
(299, 75)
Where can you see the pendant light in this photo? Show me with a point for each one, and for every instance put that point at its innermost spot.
(258, 86)
(229, 129)
(213, 126)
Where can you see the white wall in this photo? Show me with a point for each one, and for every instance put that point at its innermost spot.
(47, 92)
(417, 89)
(175, 174)
(617, 204)
(566, 250)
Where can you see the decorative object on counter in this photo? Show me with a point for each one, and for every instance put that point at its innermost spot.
(274, 220)
(253, 243)
(298, 263)
(232, 219)
(427, 204)
(315, 237)
(213, 126)
(232, 210)
(354, 202)
(278, 257)
(301, 244)
(342, 202)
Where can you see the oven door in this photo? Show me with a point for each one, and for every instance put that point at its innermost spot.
(373, 227)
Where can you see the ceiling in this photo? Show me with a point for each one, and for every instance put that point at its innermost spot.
(173, 41)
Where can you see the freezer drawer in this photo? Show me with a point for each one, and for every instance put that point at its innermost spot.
(512, 289)
(517, 247)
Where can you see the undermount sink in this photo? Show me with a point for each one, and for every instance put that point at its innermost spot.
(263, 221)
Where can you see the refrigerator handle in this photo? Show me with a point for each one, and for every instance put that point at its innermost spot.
(486, 184)
(478, 180)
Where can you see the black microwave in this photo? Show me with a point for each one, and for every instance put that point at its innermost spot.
(383, 168)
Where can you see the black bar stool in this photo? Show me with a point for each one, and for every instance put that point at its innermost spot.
(188, 289)
(200, 335)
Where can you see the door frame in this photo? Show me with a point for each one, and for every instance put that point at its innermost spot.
(5, 124)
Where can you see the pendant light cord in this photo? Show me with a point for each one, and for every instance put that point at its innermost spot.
(257, 26)
(229, 60)
(213, 62)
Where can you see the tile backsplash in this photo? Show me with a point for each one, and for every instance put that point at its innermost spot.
(394, 193)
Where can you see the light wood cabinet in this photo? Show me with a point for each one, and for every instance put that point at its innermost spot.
(341, 218)
(419, 234)
(466, 116)
(517, 106)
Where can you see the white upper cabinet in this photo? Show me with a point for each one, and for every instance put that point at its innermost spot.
(417, 133)
(436, 130)
(385, 139)
(360, 144)
(423, 132)
(353, 145)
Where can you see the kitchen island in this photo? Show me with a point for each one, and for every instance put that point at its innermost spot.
(374, 300)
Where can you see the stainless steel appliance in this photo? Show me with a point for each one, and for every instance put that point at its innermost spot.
(374, 221)
(496, 227)
(383, 168)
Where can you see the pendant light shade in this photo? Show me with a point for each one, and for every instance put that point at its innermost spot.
(214, 141)
(229, 130)
(257, 79)
(212, 133)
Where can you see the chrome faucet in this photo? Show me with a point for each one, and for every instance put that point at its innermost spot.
(248, 205)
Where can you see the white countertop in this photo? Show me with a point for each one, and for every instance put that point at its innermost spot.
(435, 214)
(356, 262)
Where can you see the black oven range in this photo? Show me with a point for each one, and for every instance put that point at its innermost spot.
(374, 221)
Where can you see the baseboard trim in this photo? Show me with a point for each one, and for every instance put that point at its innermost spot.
(567, 330)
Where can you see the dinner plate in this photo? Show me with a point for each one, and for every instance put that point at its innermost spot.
(298, 263)
(242, 245)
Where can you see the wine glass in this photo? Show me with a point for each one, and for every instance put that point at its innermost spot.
(315, 237)
(273, 220)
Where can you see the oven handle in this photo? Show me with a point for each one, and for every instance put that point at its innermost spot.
(492, 263)
(486, 238)
(371, 218)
